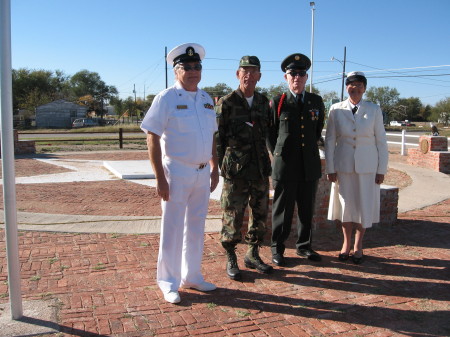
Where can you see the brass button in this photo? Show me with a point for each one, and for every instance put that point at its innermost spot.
(303, 136)
(303, 126)
(301, 117)
(303, 144)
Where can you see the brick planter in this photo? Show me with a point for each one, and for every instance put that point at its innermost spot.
(388, 210)
(22, 146)
(432, 154)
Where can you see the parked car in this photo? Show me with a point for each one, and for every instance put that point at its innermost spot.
(395, 123)
(408, 123)
(84, 122)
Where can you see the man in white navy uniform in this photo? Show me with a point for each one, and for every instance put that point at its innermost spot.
(180, 126)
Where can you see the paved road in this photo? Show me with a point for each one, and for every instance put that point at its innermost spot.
(74, 135)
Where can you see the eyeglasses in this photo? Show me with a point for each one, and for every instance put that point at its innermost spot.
(301, 73)
(252, 71)
(356, 84)
(188, 67)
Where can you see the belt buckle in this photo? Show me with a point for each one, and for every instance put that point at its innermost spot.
(201, 166)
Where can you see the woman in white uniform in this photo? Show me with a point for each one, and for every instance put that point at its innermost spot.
(356, 157)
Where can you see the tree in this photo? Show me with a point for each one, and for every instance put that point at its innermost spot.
(32, 88)
(329, 96)
(425, 113)
(409, 107)
(386, 98)
(441, 111)
(219, 90)
(273, 90)
(85, 83)
(315, 90)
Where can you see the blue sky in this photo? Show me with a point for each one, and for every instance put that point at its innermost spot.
(124, 41)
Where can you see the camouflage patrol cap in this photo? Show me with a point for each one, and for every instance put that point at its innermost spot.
(249, 61)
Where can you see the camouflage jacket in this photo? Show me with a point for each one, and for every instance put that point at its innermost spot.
(241, 136)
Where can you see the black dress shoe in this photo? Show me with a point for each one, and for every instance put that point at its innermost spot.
(309, 254)
(343, 256)
(357, 260)
(278, 259)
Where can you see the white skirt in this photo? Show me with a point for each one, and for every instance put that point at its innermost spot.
(355, 198)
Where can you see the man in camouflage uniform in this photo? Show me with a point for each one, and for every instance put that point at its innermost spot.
(243, 121)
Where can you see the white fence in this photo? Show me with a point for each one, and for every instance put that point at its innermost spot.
(403, 144)
(402, 141)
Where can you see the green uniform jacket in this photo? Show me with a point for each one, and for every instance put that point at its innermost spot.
(241, 136)
(293, 137)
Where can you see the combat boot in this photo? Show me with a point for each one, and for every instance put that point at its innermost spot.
(233, 271)
(253, 261)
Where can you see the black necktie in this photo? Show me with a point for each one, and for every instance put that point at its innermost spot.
(300, 101)
(355, 108)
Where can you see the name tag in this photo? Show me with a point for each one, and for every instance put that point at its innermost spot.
(180, 107)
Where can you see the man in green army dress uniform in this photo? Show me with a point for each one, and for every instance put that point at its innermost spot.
(243, 121)
(297, 123)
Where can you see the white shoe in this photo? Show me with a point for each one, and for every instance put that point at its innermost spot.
(172, 297)
(204, 286)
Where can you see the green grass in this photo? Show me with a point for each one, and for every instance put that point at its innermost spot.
(211, 305)
(100, 266)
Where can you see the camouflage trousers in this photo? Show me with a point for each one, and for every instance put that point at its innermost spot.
(236, 195)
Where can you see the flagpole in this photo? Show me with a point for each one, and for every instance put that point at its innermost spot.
(7, 153)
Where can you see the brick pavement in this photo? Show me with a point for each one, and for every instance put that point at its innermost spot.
(104, 285)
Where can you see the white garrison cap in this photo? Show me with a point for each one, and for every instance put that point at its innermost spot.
(356, 76)
(356, 73)
(187, 52)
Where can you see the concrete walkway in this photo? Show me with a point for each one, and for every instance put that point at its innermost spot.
(428, 188)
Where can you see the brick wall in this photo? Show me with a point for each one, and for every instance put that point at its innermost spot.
(388, 210)
(432, 154)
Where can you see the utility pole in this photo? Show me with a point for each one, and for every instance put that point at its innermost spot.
(343, 74)
(134, 92)
(313, 8)
(165, 61)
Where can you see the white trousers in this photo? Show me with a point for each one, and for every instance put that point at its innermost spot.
(183, 226)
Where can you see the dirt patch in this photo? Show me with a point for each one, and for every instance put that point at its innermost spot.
(31, 167)
(397, 178)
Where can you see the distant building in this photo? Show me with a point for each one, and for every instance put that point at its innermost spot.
(110, 110)
(59, 114)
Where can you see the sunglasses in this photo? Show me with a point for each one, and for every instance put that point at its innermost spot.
(301, 73)
(188, 67)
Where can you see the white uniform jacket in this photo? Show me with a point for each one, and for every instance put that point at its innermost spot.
(186, 124)
(356, 143)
